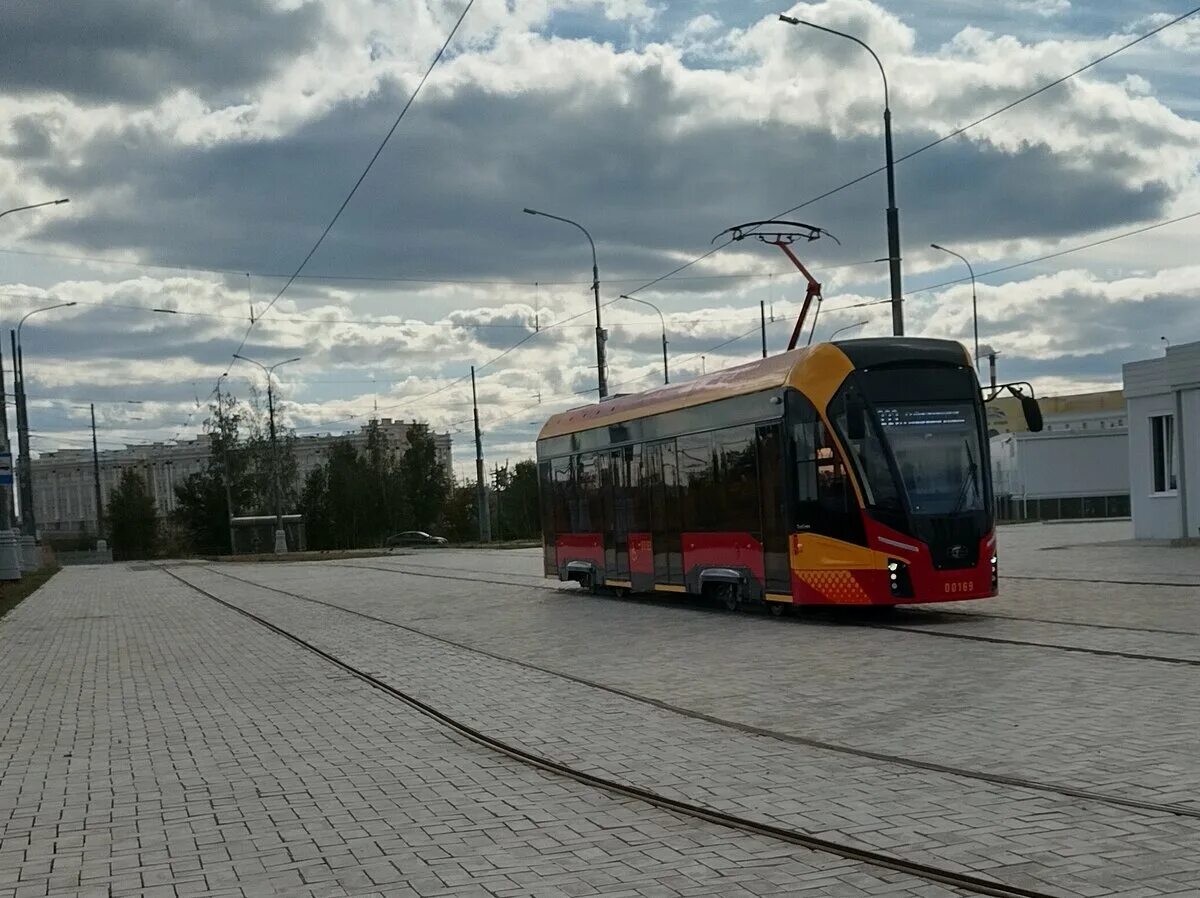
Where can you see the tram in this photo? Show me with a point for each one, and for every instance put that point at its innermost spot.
(847, 473)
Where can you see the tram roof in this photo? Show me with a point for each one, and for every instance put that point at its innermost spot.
(816, 370)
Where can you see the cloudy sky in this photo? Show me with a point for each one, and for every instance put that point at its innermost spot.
(205, 146)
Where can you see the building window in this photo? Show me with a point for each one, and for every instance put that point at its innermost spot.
(1162, 451)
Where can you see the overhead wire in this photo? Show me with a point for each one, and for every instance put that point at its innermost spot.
(952, 134)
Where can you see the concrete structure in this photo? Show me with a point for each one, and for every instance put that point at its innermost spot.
(64, 486)
(1077, 467)
(1164, 443)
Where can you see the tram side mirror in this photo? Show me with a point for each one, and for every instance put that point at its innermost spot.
(1030, 409)
(1033, 413)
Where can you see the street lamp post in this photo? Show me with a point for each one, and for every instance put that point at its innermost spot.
(34, 206)
(10, 568)
(663, 322)
(601, 337)
(28, 518)
(848, 327)
(893, 214)
(974, 299)
(280, 534)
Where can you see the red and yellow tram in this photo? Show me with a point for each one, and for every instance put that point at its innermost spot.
(849, 473)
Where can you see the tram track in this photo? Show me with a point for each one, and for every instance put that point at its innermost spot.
(969, 882)
(791, 738)
(876, 625)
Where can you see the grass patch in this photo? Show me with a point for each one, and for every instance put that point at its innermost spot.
(13, 592)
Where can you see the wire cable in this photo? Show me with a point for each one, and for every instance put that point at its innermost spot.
(370, 164)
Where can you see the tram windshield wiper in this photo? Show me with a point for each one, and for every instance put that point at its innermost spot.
(970, 482)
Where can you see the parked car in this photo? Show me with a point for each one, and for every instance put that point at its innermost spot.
(413, 538)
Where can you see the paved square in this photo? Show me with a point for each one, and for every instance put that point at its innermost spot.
(157, 743)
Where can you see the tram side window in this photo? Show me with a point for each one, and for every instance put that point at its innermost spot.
(826, 502)
(563, 494)
(737, 503)
(697, 482)
(586, 512)
(546, 497)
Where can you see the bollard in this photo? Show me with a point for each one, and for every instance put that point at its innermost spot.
(280, 542)
(30, 556)
(10, 556)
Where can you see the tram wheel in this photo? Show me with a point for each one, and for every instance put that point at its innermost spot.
(727, 595)
(778, 609)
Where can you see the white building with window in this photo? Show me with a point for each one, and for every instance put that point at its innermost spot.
(1163, 398)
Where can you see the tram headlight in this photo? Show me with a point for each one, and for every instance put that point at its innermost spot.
(899, 581)
(995, 572)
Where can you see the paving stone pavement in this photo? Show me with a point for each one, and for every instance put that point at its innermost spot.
(155, 744)
(1018, 836)
(1091, 722)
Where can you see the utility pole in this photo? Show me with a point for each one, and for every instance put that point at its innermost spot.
(485, 517)
(22, 466)
(96, 477)
(225, 475)
(279, 531)
(601, 333)
(893, 214)
(762, 314)
(280, 534)
(10, 566)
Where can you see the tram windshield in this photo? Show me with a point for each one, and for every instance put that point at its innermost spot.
(937, 455)
(922, 456)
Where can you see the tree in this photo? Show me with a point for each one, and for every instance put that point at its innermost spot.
(424, 482)
(132, 518)
(517, 512)
(201, 508)
(460, 514)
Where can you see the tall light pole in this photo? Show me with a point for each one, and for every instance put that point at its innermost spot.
(280, 534)
(34, 206)
(893, 214)
(663, 322)
(225, 472)
(10, 568)
(91, 407)
(601, 337)
(28, 519)
(848, 327)
(974, 298)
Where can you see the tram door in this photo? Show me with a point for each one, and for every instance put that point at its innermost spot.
(771, 482)
(617, 481)
(660, 480)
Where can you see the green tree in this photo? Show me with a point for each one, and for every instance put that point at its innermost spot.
(517, 512)
(423, 481)
(201, 509)
(132, 518)
(460, 514)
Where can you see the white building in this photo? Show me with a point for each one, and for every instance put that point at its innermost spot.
(1164, 443)
(1076, 467)
(64, 491)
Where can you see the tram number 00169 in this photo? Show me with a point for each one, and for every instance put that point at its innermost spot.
(958, 586)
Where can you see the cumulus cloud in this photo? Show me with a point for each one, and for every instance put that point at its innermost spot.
(655, 145)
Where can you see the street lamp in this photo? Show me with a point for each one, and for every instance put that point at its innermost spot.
(34, 206)
(974, 299)
(848, 327)
(893, 214)
(10, 568)
(601, 366)
(280, 535)
(29, 523)
(666, 373)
